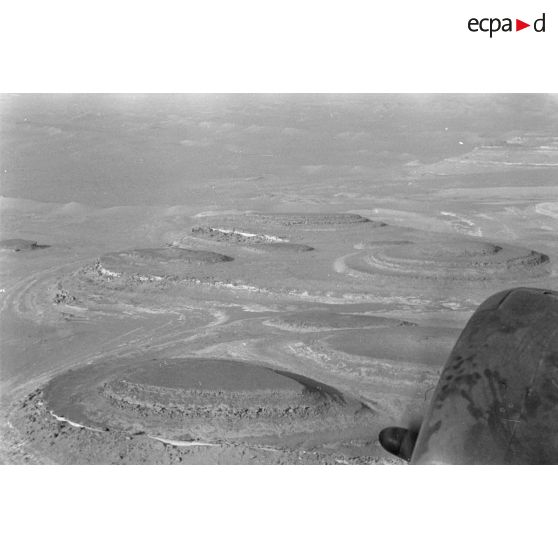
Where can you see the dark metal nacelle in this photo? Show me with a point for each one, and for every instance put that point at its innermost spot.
(497, 399)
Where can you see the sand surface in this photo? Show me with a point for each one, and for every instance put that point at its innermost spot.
(257, 279)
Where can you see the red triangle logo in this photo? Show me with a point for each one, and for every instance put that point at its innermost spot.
(519, 25)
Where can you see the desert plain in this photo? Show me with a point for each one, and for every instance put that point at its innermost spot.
(254, 279)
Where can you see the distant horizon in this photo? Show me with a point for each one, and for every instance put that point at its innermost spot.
(121, 149)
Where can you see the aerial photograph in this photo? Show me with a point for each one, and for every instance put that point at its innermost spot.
(278, 279)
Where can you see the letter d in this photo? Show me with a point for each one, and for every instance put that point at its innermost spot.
(536, 24)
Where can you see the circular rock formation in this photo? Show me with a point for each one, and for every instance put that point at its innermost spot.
(257, 241)
(303, 221)
(427, 346)
(316, 320)
(233, 236)
(19, 245)
(156, 263)
(281, 248)
(306, 219)
(450, 259)
(206, 400)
